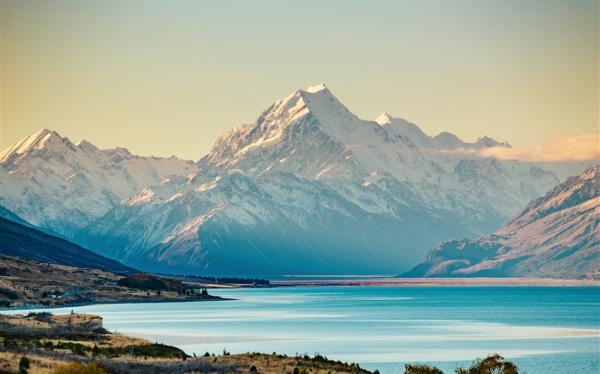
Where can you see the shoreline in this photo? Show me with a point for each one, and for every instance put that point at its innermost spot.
(365, 281)
(436, 282)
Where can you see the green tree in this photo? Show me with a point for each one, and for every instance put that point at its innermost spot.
(493, 364)
(23, 365)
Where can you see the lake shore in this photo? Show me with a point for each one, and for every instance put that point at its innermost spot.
(149, 300)
(32, 284)
(426, 282)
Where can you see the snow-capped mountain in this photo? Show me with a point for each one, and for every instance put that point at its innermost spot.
(557, 235)
(58, 185)
(307, 188)
(443, 141)
(312, 135)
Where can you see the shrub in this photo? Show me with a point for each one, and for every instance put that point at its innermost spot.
(75, 348)
(23, 365)
(77, 368)
(493, 364)
(40, 316)
(146, 350)
(421, 369)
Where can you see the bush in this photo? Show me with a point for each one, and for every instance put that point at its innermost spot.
(23, 365)
(421, 369)
(75, 348)
(40, 316)
(493, 364)
(146, 350)
(77, 368)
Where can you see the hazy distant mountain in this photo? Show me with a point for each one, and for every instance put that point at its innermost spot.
(557, 235)
(307, 188)
(17, 240)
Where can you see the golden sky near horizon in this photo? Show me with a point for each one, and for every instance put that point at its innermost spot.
(163, 78)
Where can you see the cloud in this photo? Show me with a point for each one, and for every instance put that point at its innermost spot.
(557, 146)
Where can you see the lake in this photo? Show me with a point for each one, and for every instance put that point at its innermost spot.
(542, 329)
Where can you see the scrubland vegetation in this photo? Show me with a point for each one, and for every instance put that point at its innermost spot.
(79, 344)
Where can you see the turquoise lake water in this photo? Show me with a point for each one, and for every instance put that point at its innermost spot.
(542, 329)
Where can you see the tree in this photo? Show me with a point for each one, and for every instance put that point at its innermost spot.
(493, 364)
(23, 365)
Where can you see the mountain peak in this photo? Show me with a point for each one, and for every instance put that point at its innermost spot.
(486, 142)
(384, 119)
(39, 140)
(86, 146)
(318, 88)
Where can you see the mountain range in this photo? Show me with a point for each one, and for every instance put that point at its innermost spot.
(555, 236)
(306, 188)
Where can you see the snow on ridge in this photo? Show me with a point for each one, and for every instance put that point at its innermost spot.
(191, 226)
(384, 118)
(35, 141)
(144, 196)
(208, 185)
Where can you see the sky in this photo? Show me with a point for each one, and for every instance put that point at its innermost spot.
(168, 77)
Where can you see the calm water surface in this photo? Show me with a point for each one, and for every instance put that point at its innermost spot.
(542, 329)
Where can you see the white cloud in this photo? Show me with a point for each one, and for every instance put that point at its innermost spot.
(557, 146)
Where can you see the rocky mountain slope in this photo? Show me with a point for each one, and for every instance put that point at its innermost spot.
(557, 235)
(307, 188)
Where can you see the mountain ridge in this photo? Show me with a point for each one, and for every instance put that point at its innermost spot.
(556, 235)
(306, 169)
(56, 184)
